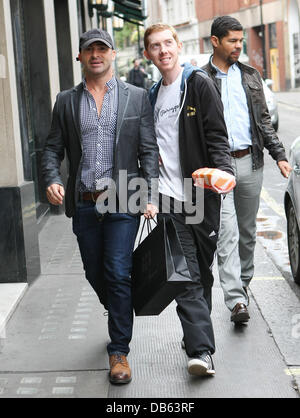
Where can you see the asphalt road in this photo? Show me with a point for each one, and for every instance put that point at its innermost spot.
(273, 236)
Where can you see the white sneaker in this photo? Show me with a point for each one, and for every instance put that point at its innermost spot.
(202, 365)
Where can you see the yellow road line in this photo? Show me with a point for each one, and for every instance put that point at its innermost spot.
(270, 278)
(293, 371)
(277, 208)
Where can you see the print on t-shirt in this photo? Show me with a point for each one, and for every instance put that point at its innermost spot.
(167, 131)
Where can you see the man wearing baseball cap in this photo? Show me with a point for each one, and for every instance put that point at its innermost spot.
(105, 126)
(95, 35)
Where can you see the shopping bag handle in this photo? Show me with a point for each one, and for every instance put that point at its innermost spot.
(149, 227)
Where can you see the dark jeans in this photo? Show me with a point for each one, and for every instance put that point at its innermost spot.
(106, 248)
(194, 305)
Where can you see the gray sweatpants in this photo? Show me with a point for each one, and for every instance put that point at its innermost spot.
(237, 237)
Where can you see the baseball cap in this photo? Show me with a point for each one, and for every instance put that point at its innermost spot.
(95, 35)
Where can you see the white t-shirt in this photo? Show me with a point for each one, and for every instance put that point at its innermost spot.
(167, 132)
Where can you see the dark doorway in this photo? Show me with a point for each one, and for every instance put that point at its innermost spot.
(64, 49)
(32, 77)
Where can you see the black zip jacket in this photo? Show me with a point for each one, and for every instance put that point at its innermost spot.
(203, 140)
(263, 133)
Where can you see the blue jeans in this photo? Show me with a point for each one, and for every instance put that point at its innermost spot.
(106, 248)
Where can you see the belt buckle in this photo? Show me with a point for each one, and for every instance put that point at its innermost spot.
(96, 194)
(100, 216)
(93, 198)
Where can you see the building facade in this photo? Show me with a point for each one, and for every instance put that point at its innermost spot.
(271, 32)
(38, 43)
(181, 15)
(38, 49)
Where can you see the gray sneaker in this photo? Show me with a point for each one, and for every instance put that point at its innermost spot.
(202, 365)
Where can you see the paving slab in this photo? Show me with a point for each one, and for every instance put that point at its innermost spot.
(247, 360)
(10, 296)
(59, 325)
(86, 384)
(280, 309)
(55, 343)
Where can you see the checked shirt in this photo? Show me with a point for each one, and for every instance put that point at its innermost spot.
(98, 134)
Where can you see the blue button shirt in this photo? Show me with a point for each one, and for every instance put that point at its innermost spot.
(236, 112)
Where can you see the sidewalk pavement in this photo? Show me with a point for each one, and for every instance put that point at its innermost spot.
(10, 296)
(55, 343)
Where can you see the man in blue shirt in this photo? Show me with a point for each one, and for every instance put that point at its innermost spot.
(249, 132)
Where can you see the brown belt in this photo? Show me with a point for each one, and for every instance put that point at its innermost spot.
(241, 153)
(91, 196)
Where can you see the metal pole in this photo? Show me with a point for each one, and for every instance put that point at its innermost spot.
(139, 42)
(263, 37)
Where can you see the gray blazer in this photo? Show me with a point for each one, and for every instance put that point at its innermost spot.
(135, 148)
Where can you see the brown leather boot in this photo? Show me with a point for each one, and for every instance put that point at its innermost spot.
(120, 372)
(240, 314)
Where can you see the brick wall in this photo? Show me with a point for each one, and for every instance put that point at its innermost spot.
(280, 38)
(207, 10)
(255, 49)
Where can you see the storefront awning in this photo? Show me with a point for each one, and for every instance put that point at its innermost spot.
(130, 10)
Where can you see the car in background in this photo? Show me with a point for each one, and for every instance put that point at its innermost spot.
(197, 60)
(271, 103)
(292, 210)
